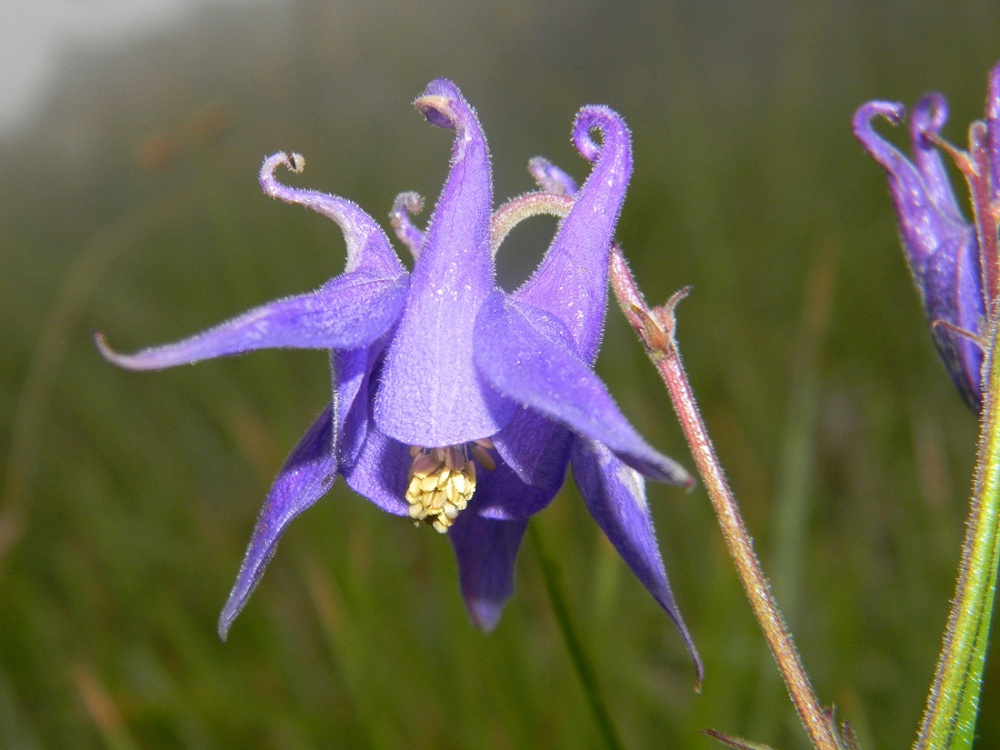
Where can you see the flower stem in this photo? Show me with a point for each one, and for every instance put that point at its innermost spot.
(656, 330)
(577, 654)
(950, 719)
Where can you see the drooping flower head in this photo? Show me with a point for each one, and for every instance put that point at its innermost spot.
(455, 403)
(954, 262)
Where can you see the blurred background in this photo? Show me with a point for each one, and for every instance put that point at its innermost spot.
(131, 134)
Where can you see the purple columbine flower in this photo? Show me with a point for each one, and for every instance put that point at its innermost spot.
(455, 403)
(954, 262)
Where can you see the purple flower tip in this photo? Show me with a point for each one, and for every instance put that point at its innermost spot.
(930, 113)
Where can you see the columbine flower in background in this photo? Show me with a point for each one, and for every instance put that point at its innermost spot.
(955, 263)
(455, 403)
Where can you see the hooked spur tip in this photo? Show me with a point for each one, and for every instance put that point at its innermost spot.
(437, 109)
(108, 353)
(608, 123)
(292, 160)
(135, 362)
(862, 125)
(929, 115)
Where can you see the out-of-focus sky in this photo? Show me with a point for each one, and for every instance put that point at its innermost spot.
(35, 36)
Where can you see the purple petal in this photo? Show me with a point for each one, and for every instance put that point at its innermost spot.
(572, 280)
(368, 248)
(486, 551)
(430, 394)
(307, 474)
(347, 312)
(928, 117)
(380, 471)
(953, 292)
(540, 371)
(616, 497)
(535, 448)
(925, 228)
(405, 205)
(551, 178)
(501, 495)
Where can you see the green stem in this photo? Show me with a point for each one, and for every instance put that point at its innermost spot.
(950, 719)
(577, 654)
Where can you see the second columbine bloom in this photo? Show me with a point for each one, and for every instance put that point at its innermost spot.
(455, 403)
(954, 262)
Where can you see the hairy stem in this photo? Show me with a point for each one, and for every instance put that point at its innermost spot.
(656, 330)
(950, 719)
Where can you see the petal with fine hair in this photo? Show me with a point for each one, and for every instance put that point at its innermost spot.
(941, 249)
(541, 372)
(550, 178)
(348, 312)
(306, 476)
(368, 248)
(572, 280)
(486, 551)
(929, 115)
(926, 228)
(430, 393)
(615, 494)
(536, 449)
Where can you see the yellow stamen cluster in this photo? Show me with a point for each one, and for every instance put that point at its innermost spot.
(442, 481)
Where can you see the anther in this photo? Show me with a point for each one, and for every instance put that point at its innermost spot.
(442, 481)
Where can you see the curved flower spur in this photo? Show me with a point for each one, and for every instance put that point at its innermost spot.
(455, 403)
(955, 263)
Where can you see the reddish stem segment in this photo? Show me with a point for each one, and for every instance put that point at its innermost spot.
(655, 327)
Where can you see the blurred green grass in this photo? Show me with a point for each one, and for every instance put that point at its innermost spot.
(129, 498)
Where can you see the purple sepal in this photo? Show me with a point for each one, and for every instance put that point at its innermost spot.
(486, 551)
(952, 292)
(615, 494)
(352, 373)
(349, 311)
(993, 130)
(306, 476)
(543, 374)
